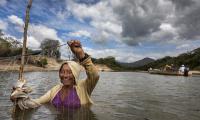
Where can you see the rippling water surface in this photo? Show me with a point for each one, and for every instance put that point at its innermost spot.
(117, 96)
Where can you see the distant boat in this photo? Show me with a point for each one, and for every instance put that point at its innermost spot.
(173, 73)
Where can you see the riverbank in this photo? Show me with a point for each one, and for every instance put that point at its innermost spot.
(32, 68)
(27, 68)
(194, 72)
(52, 65)
(55, 66)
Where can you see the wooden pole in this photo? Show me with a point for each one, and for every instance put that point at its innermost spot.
(21, 70)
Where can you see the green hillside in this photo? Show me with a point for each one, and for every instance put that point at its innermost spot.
(110, 62)
(190, 59)
(7, 49)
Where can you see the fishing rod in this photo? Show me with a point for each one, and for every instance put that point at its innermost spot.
(62, 45)
(21, 81)
(27, 18)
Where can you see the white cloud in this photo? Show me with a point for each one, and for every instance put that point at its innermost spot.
(36, 33)
(183, 46)
(166, 34)
(102, 17)
(16, 20)
(62, 15)
(41, 32)
(80, 33)
(167, 27)
(3, 2)
(99, 11)
(120, 55)
(3, 25)
(33, 43)
(186, 46)
(107, 26)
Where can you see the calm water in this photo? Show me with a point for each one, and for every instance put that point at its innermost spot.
(117, 96)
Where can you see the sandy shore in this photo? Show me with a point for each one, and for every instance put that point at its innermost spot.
(194, 72)
(53, 65)
(27, 68)
(49, 67)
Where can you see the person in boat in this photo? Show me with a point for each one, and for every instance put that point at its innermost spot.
(150, 69)
(182, 69)
(71, 92)
(186, 71)
(173, 69)
(167, 68)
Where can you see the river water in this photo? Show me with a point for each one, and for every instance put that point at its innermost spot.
(117, 96)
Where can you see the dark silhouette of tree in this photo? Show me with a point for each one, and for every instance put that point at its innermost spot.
(4, 48)
(1, 33)
(50, 48)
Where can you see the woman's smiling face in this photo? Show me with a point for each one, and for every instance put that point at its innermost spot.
(66, 76)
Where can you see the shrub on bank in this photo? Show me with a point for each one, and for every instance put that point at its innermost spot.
(42, 62)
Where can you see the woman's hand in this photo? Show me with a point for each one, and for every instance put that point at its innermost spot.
(19, 90)
(76, 48)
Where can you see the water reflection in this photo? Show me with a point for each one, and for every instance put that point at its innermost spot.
(18, 114)
(83, 113)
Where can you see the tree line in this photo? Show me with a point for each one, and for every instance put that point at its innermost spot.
(189, 59)
(49, 48)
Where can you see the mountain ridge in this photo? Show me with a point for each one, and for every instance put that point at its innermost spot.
(138, 63)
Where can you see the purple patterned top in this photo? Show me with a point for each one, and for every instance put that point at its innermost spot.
(70, 101)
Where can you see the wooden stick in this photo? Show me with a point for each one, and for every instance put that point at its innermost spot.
(21, 69)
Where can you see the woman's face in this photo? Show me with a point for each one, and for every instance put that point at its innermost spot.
(66, 76)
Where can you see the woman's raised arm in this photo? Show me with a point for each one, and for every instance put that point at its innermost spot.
(92, 74)
(86, 62)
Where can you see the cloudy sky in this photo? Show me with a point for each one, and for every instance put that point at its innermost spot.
(126, 29)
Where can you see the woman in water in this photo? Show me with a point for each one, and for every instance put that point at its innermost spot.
(72, 92)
